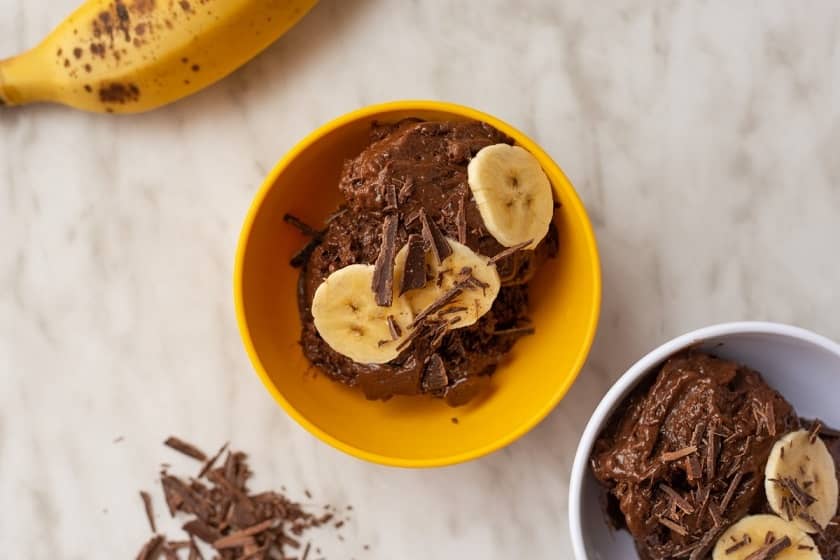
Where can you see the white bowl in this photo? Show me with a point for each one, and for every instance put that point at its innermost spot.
(804, 367)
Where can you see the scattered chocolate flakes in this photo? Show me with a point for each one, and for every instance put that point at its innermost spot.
(771, 550)
(510, 250)
(395, 329)
(814, 432)
(414, 274)
(236, 523)
(383, 272)
(187, 449)
(434, 238)
(147, 505)
(669, 456)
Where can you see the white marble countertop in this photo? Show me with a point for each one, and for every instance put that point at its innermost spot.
(703, 138)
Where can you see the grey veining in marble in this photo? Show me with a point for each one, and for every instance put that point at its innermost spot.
(702, 136)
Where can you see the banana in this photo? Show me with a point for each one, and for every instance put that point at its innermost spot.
(349, 320)
(752, 533)
(512, 193)
(128, 56)
(800, 481)
(476, 296)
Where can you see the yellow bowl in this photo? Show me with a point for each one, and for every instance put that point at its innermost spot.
(407, 431)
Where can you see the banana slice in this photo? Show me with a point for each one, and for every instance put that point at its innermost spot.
(512, 193)
(349, 320)
(800, 481)
(750, 534)
(476, 296)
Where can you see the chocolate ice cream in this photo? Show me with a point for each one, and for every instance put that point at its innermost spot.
(410, 168)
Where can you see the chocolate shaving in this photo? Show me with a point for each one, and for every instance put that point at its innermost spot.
(706, 543)
(452, 309)
(730, 492)
(390, 198)
(745, 540)
(770, 413)
(300, 258)
(711, 454)
(242, 536)
(434, 238)
(212, 461)
(406, 190)
(669, 456)
(676, 527)
(462, 222)
(383, 271)
(147, 506)
(693, 469)
(771, 550)
(522, 331)
(509, 251)
(152, 549)
(813, 433)
(808, 518)
(395, 329)
(187, 449)
(414, 273)
(304, 228)
(716, 514)
(438, 304)
(677, 499)
(435, 377)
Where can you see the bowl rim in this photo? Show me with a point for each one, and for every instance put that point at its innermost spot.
(573, 202)
(628, 380)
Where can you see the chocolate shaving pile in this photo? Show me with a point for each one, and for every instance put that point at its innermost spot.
(231, 520)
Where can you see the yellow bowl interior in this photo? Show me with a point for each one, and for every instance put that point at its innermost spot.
(407, 431)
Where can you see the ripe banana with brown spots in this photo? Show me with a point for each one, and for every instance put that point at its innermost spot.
(129, 56)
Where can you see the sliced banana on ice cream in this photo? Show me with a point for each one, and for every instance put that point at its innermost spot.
(512, 193)
(347, 317)
(800, 481)
(459, 290)
(779, 539)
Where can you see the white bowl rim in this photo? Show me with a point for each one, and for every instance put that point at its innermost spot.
(629, 379)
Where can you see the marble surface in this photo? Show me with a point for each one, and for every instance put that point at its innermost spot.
(702, 136)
